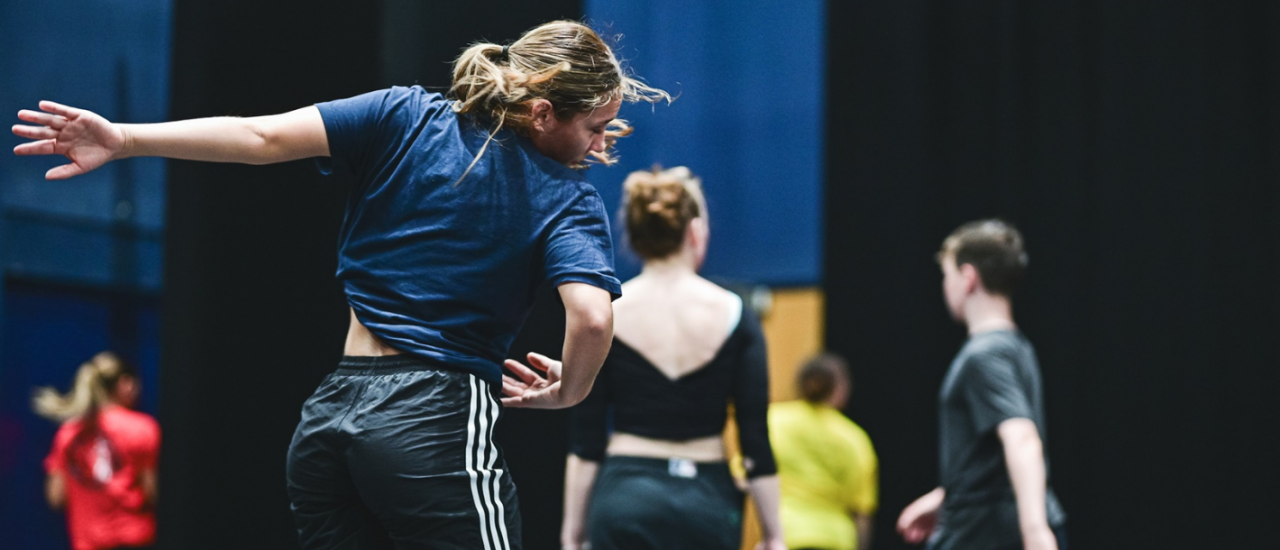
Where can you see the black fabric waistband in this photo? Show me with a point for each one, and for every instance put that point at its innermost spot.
(386, 364)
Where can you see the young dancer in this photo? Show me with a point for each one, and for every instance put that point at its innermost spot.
(102, 467)
(994, 472)
(462, 207)
(684, 348)
(827, 467)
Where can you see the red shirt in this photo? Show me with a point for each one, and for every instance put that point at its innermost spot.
(106, 507)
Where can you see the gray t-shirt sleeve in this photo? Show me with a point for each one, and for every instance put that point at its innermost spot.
(993, 392)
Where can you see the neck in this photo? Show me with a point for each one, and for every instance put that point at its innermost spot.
(986, 312)
(675, 266)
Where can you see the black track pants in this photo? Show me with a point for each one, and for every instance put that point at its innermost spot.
(392, 452)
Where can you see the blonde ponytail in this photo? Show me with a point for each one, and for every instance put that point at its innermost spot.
(94, 383)
(564, 62)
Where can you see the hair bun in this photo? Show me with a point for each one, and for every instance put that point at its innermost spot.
(658, 207)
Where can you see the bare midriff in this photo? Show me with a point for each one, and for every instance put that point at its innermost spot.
(702, 449)
(362, 343)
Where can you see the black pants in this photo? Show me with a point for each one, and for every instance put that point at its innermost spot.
(647, 504)
(394, 453)
(1059, 533)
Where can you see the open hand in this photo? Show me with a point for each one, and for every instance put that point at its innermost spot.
(86, 139)
(528, 389)
(920, 518)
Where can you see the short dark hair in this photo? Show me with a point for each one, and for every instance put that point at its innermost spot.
(819, 375)
(993, 247)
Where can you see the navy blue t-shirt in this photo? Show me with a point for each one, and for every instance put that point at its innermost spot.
(443, 269)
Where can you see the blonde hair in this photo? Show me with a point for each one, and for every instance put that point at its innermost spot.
(658, 205)
(564, 62)
(94, 384)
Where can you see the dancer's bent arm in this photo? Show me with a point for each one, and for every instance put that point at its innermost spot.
(89, 141)
(587, 337)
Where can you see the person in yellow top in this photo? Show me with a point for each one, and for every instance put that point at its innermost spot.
(827, 468)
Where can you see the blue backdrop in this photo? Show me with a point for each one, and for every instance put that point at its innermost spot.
(82, 258)
(748, 120)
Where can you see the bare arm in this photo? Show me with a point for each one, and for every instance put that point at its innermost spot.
(89, 141)
(864, 523)
(1024, 455)
(579, 478)
(766, 494)
(150, 484)
(55, 491)
(587, 337)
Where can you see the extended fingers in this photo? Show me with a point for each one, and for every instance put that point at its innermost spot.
(63, 172)
(511, 386)
(56, 122)
(59, 109)
(523, 372)
(34, 132)
(45, 147)
(540, 361)
(517, 402)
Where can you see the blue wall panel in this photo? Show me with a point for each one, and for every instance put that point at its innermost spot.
(748, 120)
(110, 57)
(81, 260)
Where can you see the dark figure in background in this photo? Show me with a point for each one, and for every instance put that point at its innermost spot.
(994, 471)
(462, 207)
(827, 467)
(102, 468)
(684, 348)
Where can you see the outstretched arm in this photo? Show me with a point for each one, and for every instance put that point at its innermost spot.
(90, 141)
(1024, 455)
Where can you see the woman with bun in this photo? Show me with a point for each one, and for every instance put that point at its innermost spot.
(463, 206)
(684, 349)
(102, 467)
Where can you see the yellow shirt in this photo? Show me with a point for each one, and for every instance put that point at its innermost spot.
(827, 470)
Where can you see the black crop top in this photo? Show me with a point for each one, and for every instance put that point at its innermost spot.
(645, 402)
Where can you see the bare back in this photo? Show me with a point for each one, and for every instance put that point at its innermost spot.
(677, 324)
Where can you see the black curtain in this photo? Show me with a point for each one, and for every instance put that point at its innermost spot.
(1137, 145)
(253, 317)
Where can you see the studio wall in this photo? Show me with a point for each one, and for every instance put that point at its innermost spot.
(1136, 146)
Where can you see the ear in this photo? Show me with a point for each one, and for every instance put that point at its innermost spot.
(543, 113)
(971, 280)
(697, 233)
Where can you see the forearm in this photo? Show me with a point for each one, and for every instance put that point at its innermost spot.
(579, 478)
(1024, 458)
(255, 140)
(863, 523)
(55, 491)
(766, 494)
(150, 487)
(587, 338)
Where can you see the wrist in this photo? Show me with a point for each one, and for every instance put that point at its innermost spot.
(1035, 528)
(127, 143)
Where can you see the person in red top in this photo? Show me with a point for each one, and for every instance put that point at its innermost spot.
(102, 468)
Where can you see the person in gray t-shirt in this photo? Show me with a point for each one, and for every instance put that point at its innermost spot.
(994, 473)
